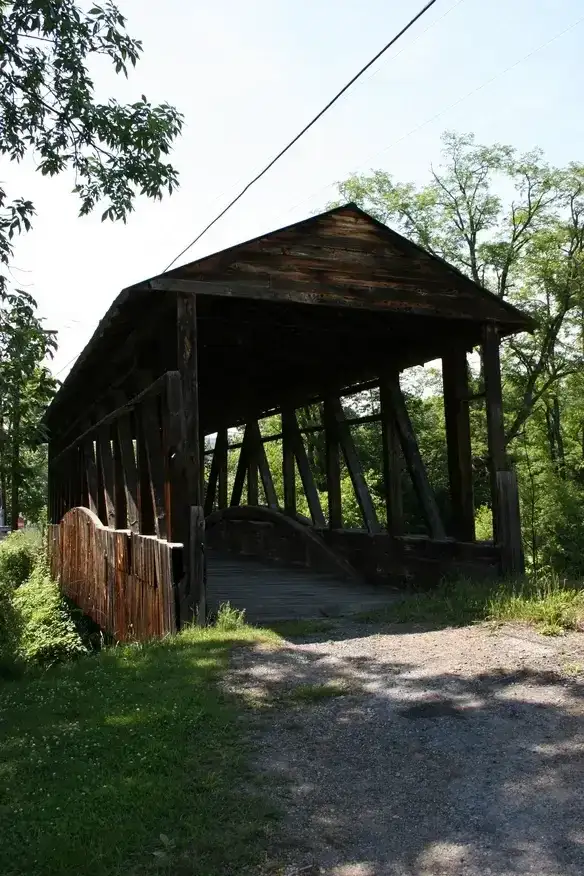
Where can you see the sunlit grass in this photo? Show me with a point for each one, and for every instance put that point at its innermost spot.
(130, 762)
(550, 604)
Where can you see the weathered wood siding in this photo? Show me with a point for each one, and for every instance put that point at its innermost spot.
(122, 580)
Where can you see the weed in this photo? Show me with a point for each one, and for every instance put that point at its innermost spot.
(229, 618)
(307, 693)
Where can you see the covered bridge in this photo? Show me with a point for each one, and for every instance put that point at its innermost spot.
(311, 313)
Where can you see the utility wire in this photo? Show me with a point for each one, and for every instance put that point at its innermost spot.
(437, 115)
(304, 130)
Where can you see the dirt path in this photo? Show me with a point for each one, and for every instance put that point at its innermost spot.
(449, 753)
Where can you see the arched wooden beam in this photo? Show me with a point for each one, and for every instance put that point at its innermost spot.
(315, 548)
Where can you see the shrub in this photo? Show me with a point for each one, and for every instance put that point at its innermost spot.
(230, 618)
(10, 629)
(18, 554)
(48, 634)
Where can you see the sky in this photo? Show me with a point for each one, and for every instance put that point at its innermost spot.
(248, 76)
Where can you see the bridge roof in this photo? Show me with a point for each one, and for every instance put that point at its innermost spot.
(336, 296)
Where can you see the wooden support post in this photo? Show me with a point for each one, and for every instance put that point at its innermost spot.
(91, 475)
(495, 423)
(456, 415)
(413, 459)
(354, 467)
(257, 454)
(129, 471)
(175, 431)
(156, 474)
(392, 465)
(120, 492)
(305, 472)
(145, 507)
(504, 492)
(106, 462)
(241, 469)
(288, 463)
(222, 468)
(253, 494)
(187, 358)
(333, 466)
(218, 465)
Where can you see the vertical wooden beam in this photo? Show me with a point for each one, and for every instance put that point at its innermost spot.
(495, 423)
(305, 472)
(354, 466)
(107, 471)
(129, 471)
(187, 359)
(175, 432)
(153, 437)
(218, 464)
(392, 465)
(91, 476)
(258, 455)
(240, 471)
(333, 466)
(458, 442)
(413, 459)
(222, 468)
(288, 463)
(145, 507)
(120, 492)
(253, 495)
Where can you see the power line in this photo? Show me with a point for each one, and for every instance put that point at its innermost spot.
(441, 112)
(304, 130)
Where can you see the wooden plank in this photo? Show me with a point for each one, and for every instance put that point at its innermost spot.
(107, 473)
(458, 442)
(257, 454)
(176, 437)
(153, 438)
(241, 470)
(90, 474)
(222, 469)
(333, 466)
(129, 470)
(305, 472)
(413, 459)
(188, 366)
(354, 467)
(120, 492)
(253, 495)
(512, 558)
(288, 460)
(145, 506)
(217, 485)
(495, 423)
(392, 465)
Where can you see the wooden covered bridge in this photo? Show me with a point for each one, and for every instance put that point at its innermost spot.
(150, 523)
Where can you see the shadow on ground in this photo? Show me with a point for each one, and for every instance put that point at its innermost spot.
(417, 772)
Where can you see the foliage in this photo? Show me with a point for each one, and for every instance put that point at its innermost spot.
(549, 603)
(10, 630)
(136, 742)
(48, 634)
(229, 618)
(19, 552)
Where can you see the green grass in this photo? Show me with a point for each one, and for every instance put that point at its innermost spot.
(551, 605)
(308, 693)
(129, 762)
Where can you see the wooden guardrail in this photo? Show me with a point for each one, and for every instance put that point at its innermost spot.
(124, 581)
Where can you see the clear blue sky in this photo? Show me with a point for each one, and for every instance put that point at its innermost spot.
(247, 76)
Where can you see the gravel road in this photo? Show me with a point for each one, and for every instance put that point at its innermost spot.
(457, 752)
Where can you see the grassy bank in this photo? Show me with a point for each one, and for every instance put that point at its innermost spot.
(129, 762)
(550, 604)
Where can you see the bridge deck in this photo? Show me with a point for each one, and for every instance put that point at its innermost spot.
(270, 592)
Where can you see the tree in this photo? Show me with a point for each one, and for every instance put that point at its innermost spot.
(48, 109)
(514, 225)
(26, 385)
